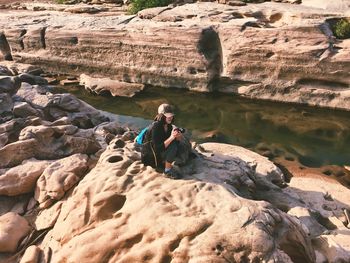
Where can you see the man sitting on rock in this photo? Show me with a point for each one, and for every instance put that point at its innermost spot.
(164, 143)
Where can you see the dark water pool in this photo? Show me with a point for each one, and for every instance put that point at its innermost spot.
(314, 137)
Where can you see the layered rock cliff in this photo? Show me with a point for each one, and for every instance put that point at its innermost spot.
(270, 51)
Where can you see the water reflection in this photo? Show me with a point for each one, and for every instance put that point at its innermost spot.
(314, 137)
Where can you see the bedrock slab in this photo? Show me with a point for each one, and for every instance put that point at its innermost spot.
(274, 51)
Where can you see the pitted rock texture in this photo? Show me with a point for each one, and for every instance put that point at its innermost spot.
(274, 51)
(110, 201)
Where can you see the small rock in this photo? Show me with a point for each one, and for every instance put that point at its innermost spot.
(23, 109)
(115, 87)
(32, 79)
(51, 81)
(39, 8)
(72, 78)
(4, 71)
(47, 218)
(13, 228)
(9, 84)
(6, 103)
(85, 9)
(67, 82)
(31, 255)
(150, 13)
(232, 2)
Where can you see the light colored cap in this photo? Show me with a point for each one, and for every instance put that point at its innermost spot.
(166, 110)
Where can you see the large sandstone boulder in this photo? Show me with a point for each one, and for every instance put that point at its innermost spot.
(10, 130)
(12, 229)
(262, 166)
(22, 178)
(33, 95)
(115, 87)
(48, 142)
(209, 219)
(55, 106)
(59, 177)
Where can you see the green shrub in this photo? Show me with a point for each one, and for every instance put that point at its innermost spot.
(342, 29)
(60, 1)
(137, 5)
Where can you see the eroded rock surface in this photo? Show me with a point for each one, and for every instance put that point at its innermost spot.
(42, 142)
(116, 88)
(31, 255)
(95, 201)
(22, 178)
(276, 51)
(120, 190)
(59, 177)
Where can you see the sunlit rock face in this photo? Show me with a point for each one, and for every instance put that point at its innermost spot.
(284, 52)
(12, 229)
(80, 188)
(122, 210)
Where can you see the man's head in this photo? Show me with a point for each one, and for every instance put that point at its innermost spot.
(166, 109)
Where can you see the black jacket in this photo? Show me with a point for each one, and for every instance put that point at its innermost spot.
(153, 145)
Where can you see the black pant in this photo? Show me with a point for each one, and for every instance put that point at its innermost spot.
(170, 152)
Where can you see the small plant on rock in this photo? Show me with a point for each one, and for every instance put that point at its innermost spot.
(341, 29)
(138, 5)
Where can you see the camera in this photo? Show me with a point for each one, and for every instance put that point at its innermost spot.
(182, 130)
